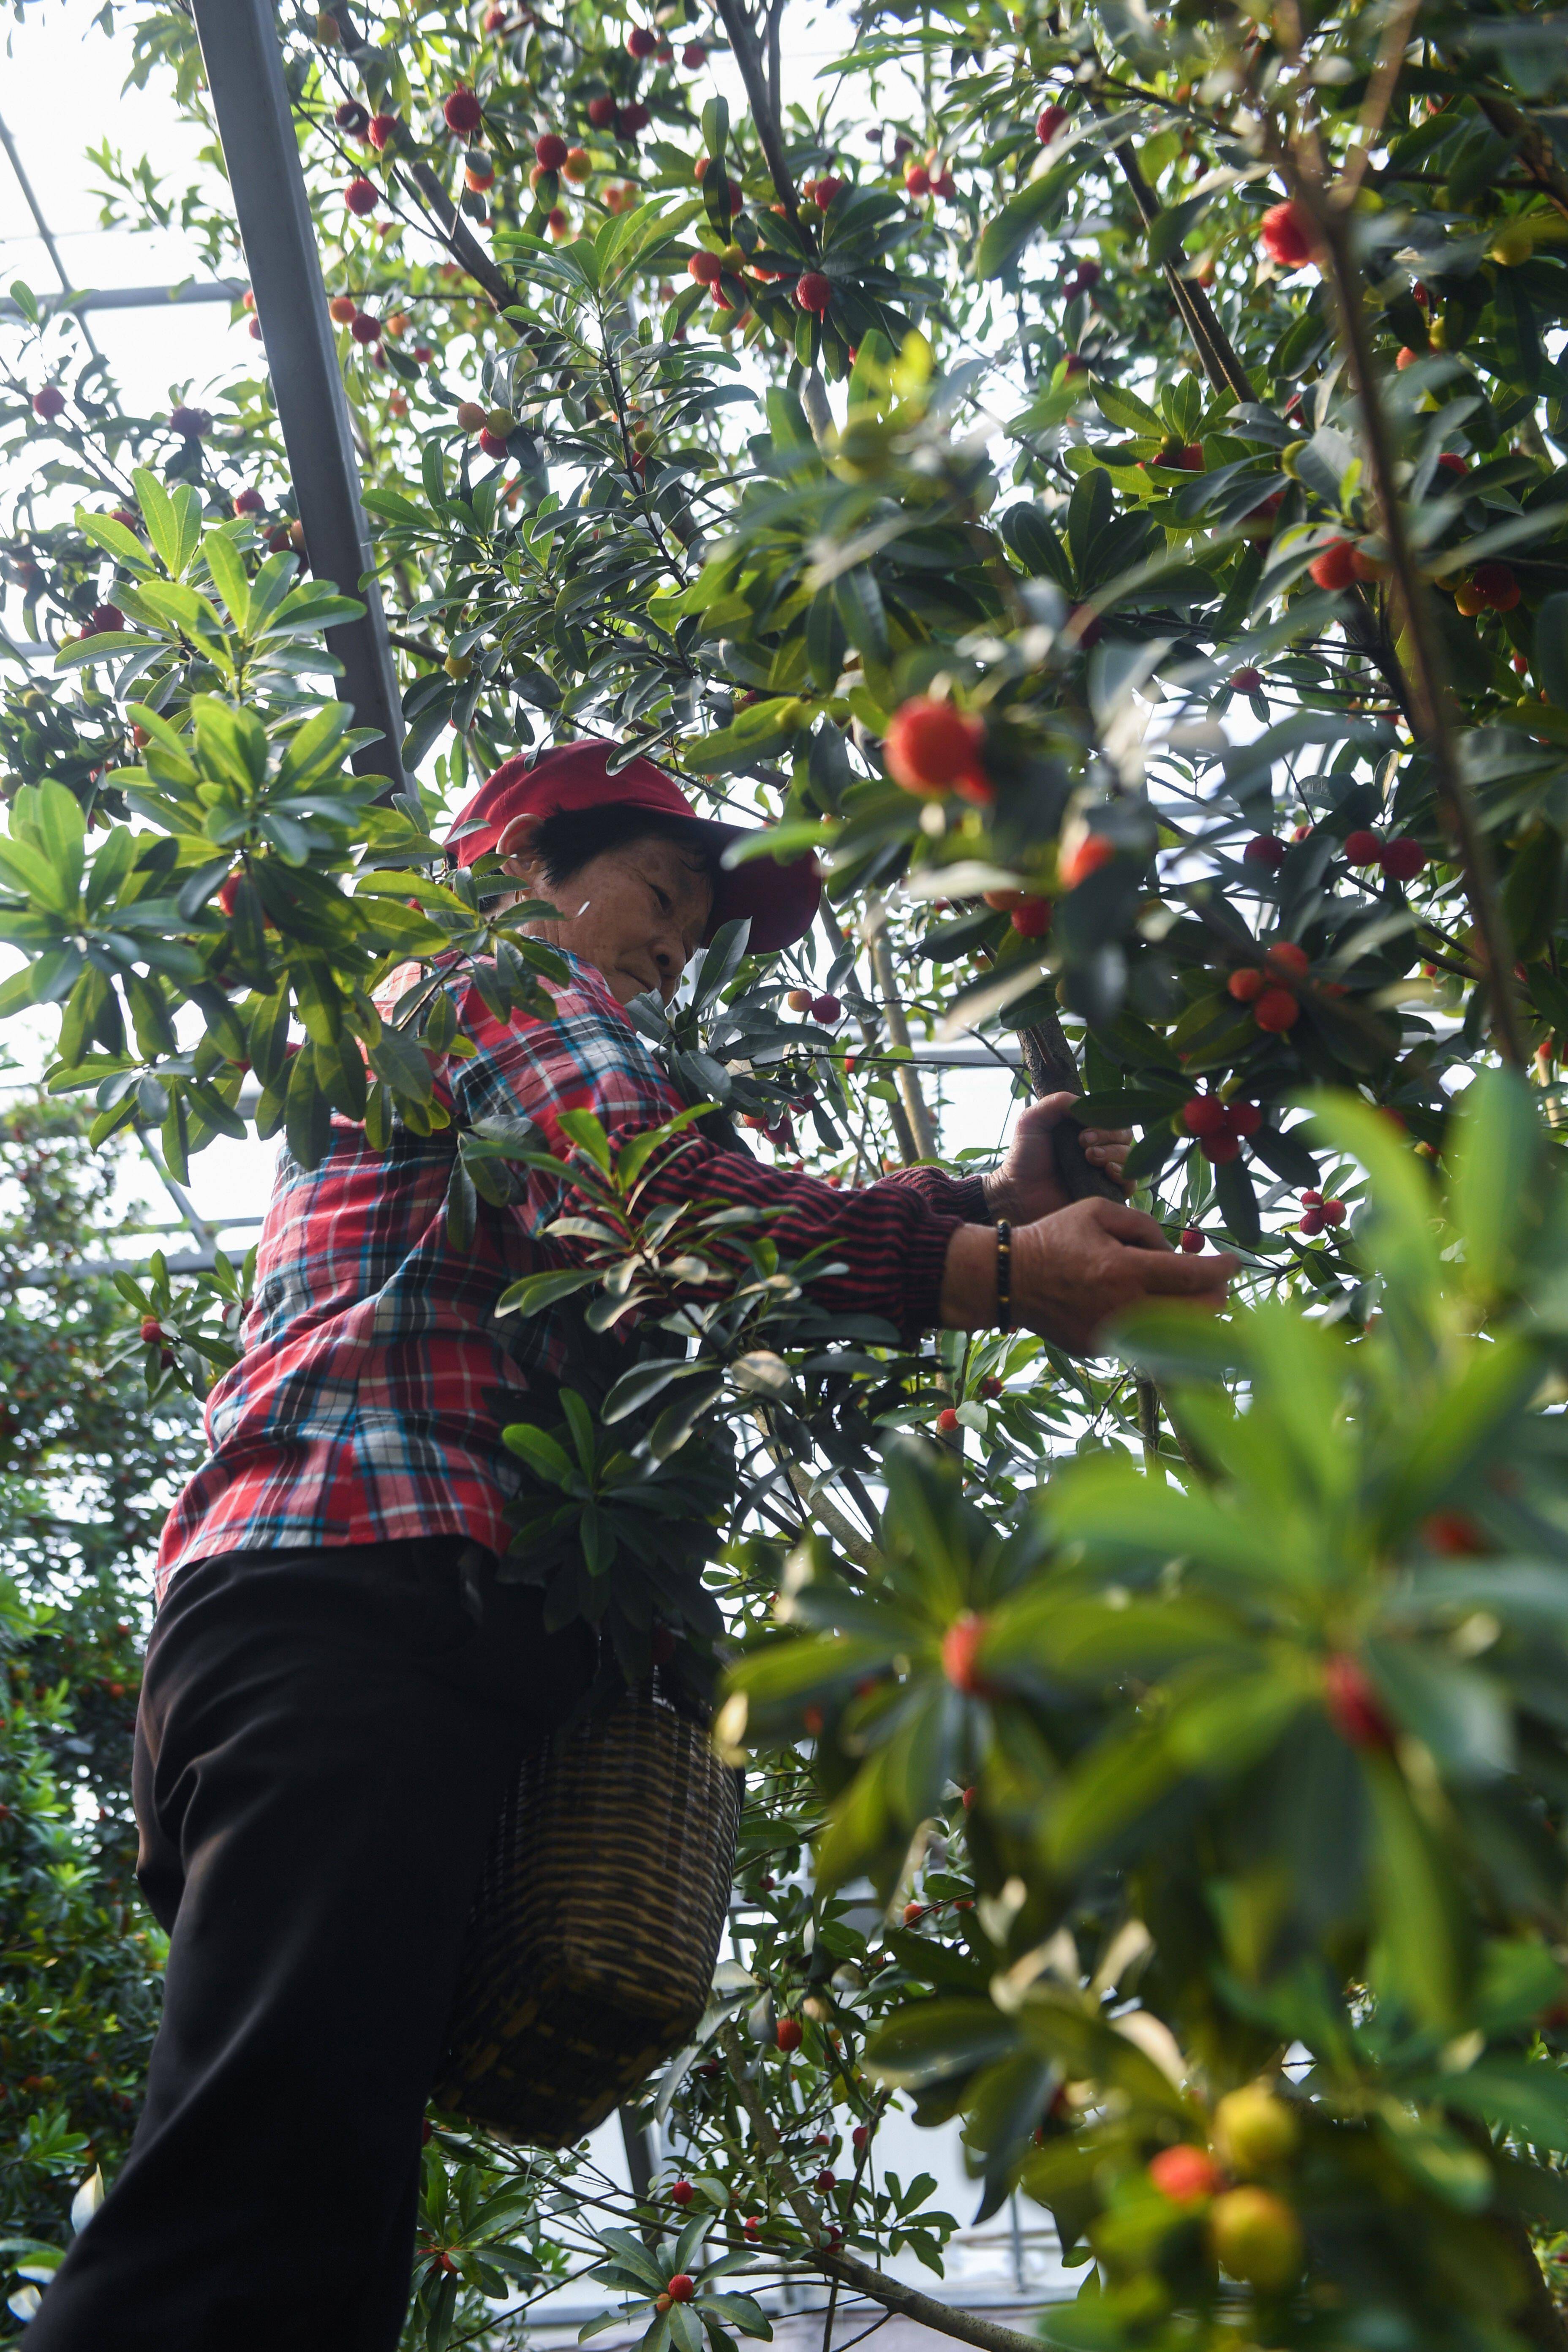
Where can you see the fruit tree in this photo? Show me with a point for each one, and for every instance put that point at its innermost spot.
(1098, 478)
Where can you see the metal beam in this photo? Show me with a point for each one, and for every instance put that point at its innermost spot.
(131, 298)
(45, 232)
(255, 124)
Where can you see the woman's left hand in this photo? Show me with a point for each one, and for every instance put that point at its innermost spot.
(1026, 1185)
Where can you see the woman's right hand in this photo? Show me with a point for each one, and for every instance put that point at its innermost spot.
(1073, 1271)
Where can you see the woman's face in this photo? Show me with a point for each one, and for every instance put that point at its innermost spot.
(636, 913)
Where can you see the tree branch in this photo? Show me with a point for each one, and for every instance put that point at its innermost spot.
(461, 243)
(907, 2302)
(765, 113)
(1428, 695)
(905, 1080)
(1220, 362)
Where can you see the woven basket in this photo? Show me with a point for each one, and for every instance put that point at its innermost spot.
(593, 1936)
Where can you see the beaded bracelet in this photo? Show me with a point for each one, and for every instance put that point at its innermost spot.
(1003, 1274)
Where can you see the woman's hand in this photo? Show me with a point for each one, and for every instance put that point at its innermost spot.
(1073, 1271)
(1026, 1186)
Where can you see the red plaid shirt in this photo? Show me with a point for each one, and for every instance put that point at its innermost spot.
(377, 1375)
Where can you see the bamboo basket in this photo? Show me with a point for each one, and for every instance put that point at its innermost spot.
(593, 1936)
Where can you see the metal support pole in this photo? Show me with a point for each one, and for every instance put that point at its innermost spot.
(255, 124)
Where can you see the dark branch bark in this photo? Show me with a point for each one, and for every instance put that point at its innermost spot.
(749, 58)
(1220, 362)
(1428, 694)
(461, 243)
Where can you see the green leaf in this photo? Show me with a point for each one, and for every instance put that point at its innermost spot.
(228, 577)
(542, 1453)
(1124, 409)
(536, 1291)
(1492, 1193)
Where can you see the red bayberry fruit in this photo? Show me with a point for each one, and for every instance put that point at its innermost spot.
(929, 745)
(681, 2192)
(753, 2226)
(192, 423)
(1401, 860)
(1047, 123)
(1453, 1533)
(787, 2033)
(1276, 1009)
(917, 180)
(813, 291)
(462, 112)
(494, 445)
(1243, 1117)
(106, 617)
(693, 55)
(383, 131)
(1353, 1706)
(1247, 985)
(947, 1421)
(1333, 1213)
(1286, 234)
(1363, 846)
(959, 1649)
(826, 188)
(706, 268)
(630, 119)
(1191, 1241)
(826, 1008)
(341, 309)
(1032, 920)
(1335, 567)
(1286, 961)
(1184, 2175)
(943, 184)
(858, 2137)
(551, 149)
(360, 197)
(1219, 1151)
(1204, 1114)
(49, 403)
(365, 327)
(1496, 586)
(1086, 857)
(601, 111)
(352, 117)
(1265, 849)
(151, 1331)
(826, 2183)
(682, 2287)
(1247, 681)
(641, 42)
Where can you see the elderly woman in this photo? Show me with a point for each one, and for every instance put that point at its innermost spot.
(337, 1688)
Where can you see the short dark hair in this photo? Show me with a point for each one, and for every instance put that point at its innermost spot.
(564, 841)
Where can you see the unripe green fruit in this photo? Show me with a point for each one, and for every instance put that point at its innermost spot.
(1256, 2238)
(501, 422)
(1289, 456)
(1254, 2129)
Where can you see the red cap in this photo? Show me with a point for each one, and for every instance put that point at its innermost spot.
(780, 899)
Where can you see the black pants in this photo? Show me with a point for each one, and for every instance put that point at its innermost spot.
(324, 1743)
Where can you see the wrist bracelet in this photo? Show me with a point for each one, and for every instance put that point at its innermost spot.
(1003, 1274)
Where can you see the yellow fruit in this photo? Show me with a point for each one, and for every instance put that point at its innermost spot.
(1514, 242)
(458, 664)
(1254, 2129)
(501, 422)
(1256, 2237)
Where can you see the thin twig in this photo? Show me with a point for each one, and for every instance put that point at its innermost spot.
(908, 2302)
(1428, 694)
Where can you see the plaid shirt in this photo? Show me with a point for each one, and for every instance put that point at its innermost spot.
(377, 1375)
